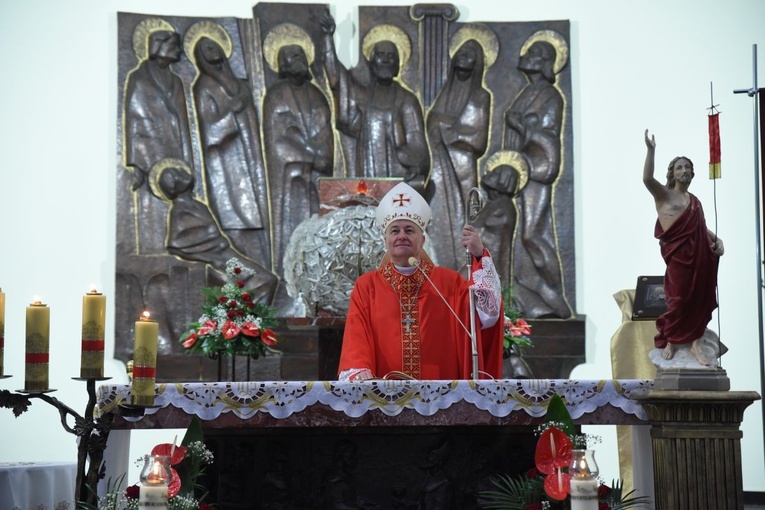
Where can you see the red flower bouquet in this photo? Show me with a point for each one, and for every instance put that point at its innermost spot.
(231, 322)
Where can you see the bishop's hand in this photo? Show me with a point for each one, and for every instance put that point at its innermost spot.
(471, 240)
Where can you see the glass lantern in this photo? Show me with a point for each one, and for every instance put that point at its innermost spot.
(155, 477)
(583, 472)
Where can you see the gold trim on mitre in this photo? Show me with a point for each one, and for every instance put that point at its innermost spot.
(513, 159)
(483, 35)
(402, 202)
(286, 34)
(156, 172)
(142, 33)
(206, 29)
(557, 41)
(390, 33)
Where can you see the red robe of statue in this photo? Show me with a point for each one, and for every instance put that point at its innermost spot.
(691, 278)
(399, 323)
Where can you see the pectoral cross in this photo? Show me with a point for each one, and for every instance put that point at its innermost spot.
(408, 321)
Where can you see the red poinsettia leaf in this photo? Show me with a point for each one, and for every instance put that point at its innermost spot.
(553, 450)
(165, 448)
(174, 487)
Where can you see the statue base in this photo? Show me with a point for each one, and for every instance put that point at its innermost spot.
(687, 379)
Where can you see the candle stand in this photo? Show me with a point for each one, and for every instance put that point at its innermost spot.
(92, 433)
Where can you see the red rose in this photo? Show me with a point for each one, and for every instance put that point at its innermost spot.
(532, 473)
(604, 491)
(237, 270)
(240, 284)
(232, 303)
(230, 330)
(132, 492)
(190, 340)
(268, 337)
(602, 505)
(246, 297)
(222, 299)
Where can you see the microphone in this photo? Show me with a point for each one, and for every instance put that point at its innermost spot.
(416, 264)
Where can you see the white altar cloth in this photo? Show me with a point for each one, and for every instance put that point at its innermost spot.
(37, 485)
(281, 399)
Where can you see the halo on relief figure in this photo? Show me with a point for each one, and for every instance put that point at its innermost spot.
(156, 173)
(513, 159)
(556, 40)
(483, 35)
(206, 29)
(388, 33)
(286, 34)
(142, 33)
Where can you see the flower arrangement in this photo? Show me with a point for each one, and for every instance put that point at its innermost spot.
(231, 322)
(546, 486)
(187, 464)
(517, 331)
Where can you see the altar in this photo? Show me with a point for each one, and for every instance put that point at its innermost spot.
(370, 444)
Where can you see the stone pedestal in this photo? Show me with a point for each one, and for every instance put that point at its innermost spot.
(696, 440)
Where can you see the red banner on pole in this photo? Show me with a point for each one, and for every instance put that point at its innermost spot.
(714, 146)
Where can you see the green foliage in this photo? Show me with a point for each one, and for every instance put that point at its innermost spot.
(558, 414)
(513, 493)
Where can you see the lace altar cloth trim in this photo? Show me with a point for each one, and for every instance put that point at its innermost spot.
(281, 399)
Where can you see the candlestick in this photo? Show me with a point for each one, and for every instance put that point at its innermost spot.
(37, 346)
(93, 326)
(2, 330)
(144, 360)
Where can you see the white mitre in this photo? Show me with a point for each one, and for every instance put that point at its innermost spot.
(402, 202)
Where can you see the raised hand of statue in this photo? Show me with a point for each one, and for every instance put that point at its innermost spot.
(327, 23)
(650, 142)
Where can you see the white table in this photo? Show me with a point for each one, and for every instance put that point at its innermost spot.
(37, 485)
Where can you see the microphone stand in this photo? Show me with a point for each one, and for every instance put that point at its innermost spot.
(473, 206)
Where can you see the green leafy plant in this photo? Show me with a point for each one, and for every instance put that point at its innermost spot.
(534, 490)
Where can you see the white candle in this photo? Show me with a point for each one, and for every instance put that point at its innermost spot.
(584, 493)
(152, 497)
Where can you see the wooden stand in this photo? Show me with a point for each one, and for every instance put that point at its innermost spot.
(696, 440)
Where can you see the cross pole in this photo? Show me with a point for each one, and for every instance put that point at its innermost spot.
(759, 131)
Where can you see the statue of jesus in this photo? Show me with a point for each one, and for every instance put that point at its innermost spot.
(692, 253)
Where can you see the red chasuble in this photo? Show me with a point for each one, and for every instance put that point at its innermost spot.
(399, 323)
(691, 278)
